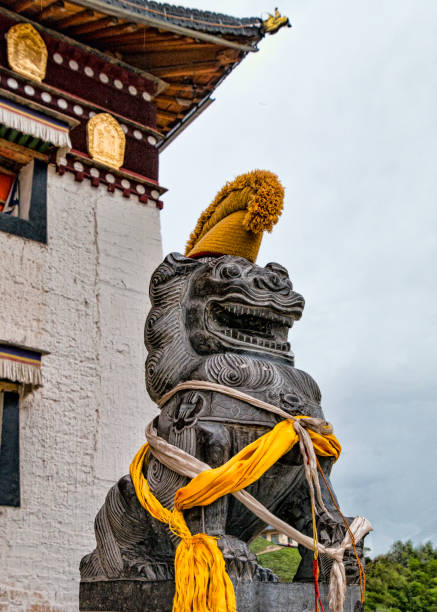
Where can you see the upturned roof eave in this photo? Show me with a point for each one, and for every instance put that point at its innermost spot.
(161, 84)
(118, 11)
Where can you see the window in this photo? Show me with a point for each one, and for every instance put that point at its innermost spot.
(27, 139)
(275, 538)
(9, 449)
(15, 188)
(23, 195)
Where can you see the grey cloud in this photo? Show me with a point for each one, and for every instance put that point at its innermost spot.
(343, 107)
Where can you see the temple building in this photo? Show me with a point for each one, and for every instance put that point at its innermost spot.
(90, 92)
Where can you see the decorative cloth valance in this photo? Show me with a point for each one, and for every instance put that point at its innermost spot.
(35, 124)
(20, 365)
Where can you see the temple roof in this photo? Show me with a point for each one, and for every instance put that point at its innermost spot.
(194, 19)
(187, 50)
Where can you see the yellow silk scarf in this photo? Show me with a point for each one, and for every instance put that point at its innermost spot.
(201, 581)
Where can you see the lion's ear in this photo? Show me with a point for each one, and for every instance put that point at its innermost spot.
(173, 265)
(182, 263)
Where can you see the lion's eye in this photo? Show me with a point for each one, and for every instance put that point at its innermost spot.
(230, 271)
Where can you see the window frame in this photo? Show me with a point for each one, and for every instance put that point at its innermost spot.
(34, 228)
(10, 450)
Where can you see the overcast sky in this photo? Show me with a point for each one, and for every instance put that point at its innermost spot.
(343, 108)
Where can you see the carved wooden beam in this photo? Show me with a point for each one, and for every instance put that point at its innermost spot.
(8, 386)
(20, 154)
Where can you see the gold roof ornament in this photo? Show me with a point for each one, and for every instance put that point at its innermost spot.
(106, 140)
(27, 52)
(275, 22)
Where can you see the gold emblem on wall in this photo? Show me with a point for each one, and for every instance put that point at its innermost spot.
(106, 140)
(27, 52)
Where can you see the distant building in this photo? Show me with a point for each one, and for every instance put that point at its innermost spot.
(276, 537)
(90, 93)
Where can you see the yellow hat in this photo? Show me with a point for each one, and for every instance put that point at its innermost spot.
(233, 224)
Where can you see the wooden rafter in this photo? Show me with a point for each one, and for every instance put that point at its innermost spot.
(184, 70)
(49, 10)
(175, 45)
(75, 19)
(185, 55)
(191, 67)
(22, 5)
(92, 26)
(108, 33)
(187, 88)
(178, 101)
(142, 35)
(168, 115)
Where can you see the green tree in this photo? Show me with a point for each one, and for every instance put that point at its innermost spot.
(403, 580)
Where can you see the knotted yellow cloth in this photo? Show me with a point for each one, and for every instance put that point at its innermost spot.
(202, 584)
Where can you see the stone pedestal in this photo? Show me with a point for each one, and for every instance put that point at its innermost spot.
(140, 596)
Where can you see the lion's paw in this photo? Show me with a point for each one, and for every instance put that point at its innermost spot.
(264, 574)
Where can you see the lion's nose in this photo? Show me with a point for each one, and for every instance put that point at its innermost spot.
(273, 282)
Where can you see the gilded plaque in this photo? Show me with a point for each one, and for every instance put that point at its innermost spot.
(27, 52)
(106, 140)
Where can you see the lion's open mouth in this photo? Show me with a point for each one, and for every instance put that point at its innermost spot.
(250, 325)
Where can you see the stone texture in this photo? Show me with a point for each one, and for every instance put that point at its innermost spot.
(224, 321)
(83, 299)
(139, 596)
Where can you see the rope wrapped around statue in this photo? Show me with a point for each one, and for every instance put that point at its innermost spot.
(201, 580)
(241, 441)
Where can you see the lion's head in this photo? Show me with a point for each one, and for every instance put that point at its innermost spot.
(219, 305)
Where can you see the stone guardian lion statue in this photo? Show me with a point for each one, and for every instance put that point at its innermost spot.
(216, 316)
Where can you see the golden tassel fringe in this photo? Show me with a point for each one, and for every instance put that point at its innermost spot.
(259, 192)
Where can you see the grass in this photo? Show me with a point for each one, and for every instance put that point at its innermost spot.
(283, 562)
(259, 544)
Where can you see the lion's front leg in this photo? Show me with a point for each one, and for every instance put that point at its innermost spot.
(215, 448)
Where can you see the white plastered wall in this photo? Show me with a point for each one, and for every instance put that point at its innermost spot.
(83, 298)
